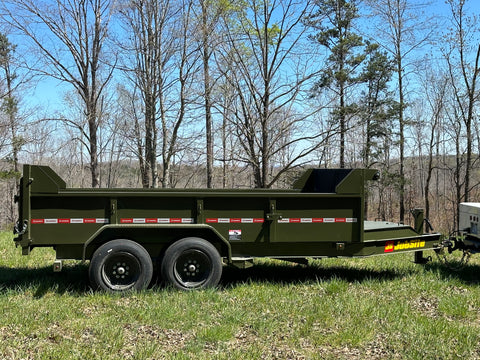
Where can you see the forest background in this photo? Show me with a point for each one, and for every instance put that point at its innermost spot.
(248, 93)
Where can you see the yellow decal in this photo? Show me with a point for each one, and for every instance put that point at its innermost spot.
(407, 245)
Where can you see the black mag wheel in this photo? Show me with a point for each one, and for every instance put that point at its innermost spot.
(120, 265)
(192, 263)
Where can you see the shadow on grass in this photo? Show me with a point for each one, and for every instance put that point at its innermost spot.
(73, 279)
(468, 274)
(285, 273)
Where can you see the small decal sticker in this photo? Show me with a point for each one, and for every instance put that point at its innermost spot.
(235, 235)
(389, 246)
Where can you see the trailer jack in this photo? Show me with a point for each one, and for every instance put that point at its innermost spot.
(420, 259)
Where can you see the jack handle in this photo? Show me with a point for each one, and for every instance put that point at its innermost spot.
(429, 225)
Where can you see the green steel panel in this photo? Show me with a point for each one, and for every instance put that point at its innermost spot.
(321, 216)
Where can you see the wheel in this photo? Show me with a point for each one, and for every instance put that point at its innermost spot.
(120, 265)
(191, 263)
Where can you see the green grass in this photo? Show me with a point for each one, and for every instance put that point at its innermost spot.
(376, 308)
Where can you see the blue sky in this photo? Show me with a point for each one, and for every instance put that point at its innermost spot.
(48, 94)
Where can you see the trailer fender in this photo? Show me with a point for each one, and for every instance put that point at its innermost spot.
(113, 231)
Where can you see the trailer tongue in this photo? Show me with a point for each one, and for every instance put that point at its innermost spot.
(189, 232)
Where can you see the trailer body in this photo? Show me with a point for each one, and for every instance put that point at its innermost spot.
(185, 230)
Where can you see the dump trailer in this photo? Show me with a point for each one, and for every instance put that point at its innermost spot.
(191, 233)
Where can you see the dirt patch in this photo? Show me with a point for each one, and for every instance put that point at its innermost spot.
(426, 306)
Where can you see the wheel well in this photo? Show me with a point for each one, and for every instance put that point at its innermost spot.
(156, 239)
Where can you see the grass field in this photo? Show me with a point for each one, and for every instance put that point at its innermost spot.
(376, 308)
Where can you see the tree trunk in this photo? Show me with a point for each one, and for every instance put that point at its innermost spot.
(207, 93)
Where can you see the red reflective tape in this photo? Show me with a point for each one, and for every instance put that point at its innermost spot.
(316, 220)
(71, 221)
(155, 220)
(235, 220)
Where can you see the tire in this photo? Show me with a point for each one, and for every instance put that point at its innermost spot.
(191, 263)
(120, 265)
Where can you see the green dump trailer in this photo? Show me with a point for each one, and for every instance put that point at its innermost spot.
(190, 233)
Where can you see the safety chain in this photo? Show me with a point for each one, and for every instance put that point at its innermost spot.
(457, 266)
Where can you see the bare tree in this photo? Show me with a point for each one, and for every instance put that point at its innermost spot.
(435, 88)
(160, 64)
(69, 39)
(463, 59)
(269, 79)
(211, 12)
(151, 48)
(402, 31)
